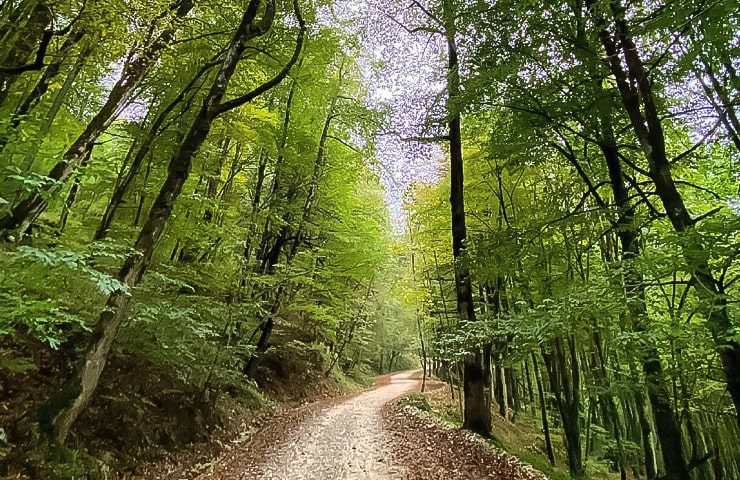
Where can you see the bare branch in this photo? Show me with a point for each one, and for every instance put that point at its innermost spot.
(343, 142)
(696, 145)
(274, 81)
(427, 12)
(412, 31)
(706, 215)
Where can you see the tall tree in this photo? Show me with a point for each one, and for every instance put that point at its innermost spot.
(62, 411)
(476, 367)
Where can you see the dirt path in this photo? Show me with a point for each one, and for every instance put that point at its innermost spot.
(340, 441)
(356, 438)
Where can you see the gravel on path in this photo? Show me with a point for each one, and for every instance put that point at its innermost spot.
(367, 437)
(335, 441)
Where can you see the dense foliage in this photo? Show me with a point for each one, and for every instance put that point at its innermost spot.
(194, 180)
(191, 189)
(601, 199)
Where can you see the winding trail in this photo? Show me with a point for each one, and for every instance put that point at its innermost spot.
(358, 438)
(338, 441)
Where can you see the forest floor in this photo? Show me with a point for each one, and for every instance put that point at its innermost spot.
(367, 436)
(521, 437)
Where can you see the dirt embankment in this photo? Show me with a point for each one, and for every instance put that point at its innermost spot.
(145, 421)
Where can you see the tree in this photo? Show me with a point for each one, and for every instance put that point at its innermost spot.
(63, 410)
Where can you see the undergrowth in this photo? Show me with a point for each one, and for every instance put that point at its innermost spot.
(523, 438)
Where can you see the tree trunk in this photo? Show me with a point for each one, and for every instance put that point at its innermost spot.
(726, 107)
(476, 380)
(41, 87)
(512, 391)
(62, 410)
(317, 171)
(29, 35)
(256, 201)
(72, 196)
(502, 395)
(423, 349)
(636, 92)
(530, 390)
(543, 410)
(651, 468)
(601, 375)
(563, 371)
(57, 104)
(272, 257)
(668, 430)
(155, 130)
(351, 332)
(263, 248)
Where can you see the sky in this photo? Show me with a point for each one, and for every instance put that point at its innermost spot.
(404, 75)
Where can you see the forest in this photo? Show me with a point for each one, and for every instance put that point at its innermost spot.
(379, 239)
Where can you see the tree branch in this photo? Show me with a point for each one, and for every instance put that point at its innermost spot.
(38, 62)
(427, 12)
(274, 81)
(412, 31)
(705, 215)
(351, 147)
(696, 145)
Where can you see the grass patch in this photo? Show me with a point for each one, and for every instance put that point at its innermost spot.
(522, 439)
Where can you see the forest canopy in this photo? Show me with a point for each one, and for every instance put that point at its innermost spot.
(536, 202)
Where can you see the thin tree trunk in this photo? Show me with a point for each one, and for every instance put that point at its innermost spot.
(727, 106)
(272, 257)
(263, 248)
(122, 187)
(29, 35)
(256, 200)
(72, 196)
(651, 467)
(57, 104)
(41, 86)
(502, 395)
(317, 171)
(142, 194)
(543, 410)
(58, 415)
(423, 351)
(136, 69)
(608, 400)
(350, 334)
(563, 371)
(530, 390)
(514, 392)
